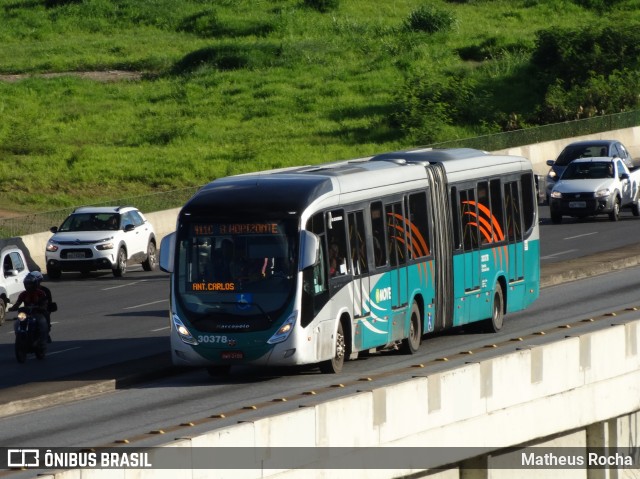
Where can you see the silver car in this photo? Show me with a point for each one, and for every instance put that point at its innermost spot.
(584, 149)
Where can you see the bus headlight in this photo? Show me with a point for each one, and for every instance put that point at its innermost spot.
(284, 331)
(183, 332)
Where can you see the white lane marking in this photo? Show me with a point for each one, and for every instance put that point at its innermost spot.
(62, 351)
(147, 304)
(558, 254)
(123, 285)
(580, 236)
(159, 329)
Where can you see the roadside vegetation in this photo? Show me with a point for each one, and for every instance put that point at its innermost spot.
(233, 86)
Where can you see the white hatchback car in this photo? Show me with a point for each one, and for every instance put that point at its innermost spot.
(97, 238)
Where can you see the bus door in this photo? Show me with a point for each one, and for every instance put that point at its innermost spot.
(339, 274)
(397, 248)
(375, 330)
(359, 264)
(514, 232)
(470, 240)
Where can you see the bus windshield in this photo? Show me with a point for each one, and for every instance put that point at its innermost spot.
(236, 269)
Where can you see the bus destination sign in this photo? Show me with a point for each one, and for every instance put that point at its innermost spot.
(266, 228)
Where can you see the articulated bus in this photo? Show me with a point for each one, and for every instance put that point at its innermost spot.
(315, 264)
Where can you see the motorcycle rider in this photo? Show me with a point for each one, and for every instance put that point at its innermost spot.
(36, 299)
(51, 306)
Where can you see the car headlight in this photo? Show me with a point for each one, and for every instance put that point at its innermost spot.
(104, 246)
(552, 175)
(52, 248)
(284, 331)
(556, 194)
(602, 193)
(183, 332)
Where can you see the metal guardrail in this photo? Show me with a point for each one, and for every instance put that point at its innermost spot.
(39, 222)
(555, 131)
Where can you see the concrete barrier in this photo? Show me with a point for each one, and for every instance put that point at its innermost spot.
(539, 153)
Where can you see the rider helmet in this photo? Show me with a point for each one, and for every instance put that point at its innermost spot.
(37, 276)
(30, 282)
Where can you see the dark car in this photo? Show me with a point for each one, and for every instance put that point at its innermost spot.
(585, 149)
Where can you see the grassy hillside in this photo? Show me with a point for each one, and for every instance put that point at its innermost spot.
(232, 86)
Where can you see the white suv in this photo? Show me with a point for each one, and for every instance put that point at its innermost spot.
(96, 238)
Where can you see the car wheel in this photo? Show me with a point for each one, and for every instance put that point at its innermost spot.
(411, 344)
(121, 264)
(53, 273)
(3, 310)
(334, 365)
(615, 213)
(635, 207)
(151, 263)
(556, 218)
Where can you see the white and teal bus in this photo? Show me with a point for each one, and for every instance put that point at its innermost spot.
(315, 264)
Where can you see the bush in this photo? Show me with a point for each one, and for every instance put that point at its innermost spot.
(430, 19)
(599, 95)
(322, 5)
(574, 56)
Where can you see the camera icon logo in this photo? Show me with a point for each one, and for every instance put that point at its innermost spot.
(23, 458)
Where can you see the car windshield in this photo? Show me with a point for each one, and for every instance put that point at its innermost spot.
(590, 170)
(572, 152)
(91, 222)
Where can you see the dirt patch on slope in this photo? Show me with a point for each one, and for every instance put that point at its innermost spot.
(102, 76)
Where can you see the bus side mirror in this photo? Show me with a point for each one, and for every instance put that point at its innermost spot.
(309, 246)
(167, 248)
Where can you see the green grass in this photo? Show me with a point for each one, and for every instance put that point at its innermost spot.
(238, 85)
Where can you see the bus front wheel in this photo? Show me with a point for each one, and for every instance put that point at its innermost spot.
(334, 365)
(411, 344)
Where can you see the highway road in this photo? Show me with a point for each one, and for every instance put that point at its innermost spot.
(104, 320)
(169, 404)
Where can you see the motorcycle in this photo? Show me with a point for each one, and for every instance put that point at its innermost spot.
(29, 337)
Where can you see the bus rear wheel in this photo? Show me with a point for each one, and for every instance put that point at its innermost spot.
(335, 364)
(411, 344)
(495, 322)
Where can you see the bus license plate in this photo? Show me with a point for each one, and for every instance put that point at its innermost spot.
(75, 255)
(232, 355)
(577, 204)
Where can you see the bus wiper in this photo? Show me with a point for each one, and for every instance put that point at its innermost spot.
(218, 304)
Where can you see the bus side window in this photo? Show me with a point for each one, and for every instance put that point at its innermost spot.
(469, 219)
(418, 226)
(337, 237)
(314, 279)
(396, 234)
(455, 218)
(528, 200)
(377, 229)
(512, 208)
(357, 240)
(497, 216)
